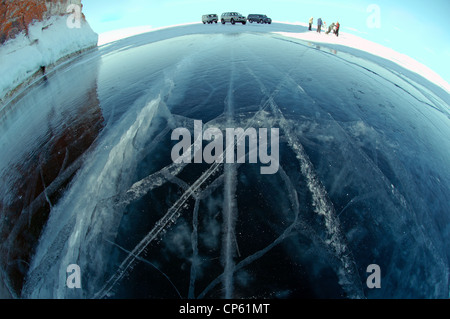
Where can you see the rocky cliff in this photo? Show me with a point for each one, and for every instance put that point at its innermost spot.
(16, 16)
(35, 35)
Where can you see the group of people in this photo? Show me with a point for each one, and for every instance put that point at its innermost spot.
(333, 27)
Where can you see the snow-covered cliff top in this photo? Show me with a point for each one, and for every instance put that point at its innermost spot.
(42, 45)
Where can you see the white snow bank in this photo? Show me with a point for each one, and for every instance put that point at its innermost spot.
(46, 43)
(119, 34)
(115, 35)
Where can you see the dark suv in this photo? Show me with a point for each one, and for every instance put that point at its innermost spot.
(259, 18)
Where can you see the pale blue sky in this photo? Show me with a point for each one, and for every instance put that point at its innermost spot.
(417, 28)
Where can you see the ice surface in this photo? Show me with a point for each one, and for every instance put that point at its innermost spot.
(363, 173)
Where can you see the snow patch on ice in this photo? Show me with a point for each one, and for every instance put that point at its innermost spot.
(361, 129)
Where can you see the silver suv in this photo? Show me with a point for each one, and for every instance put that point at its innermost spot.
(233, 17)
(209, 18)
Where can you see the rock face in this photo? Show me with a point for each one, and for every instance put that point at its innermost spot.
(36, 36)
(16, 16)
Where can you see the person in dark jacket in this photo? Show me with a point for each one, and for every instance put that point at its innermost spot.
(319, 24)
(337, 29)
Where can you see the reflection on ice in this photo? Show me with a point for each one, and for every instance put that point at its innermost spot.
(46, 134)
(353, 186)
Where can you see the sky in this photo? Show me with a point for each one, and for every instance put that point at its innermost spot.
(417, 28)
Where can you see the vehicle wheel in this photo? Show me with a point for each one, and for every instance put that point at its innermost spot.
(232, 21)
(223, 21)
(215, 21)
(243, 23)
(204, 22)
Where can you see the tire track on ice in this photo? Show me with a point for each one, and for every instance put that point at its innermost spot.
(229, 198)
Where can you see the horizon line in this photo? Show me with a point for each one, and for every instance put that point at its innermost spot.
(379, 50)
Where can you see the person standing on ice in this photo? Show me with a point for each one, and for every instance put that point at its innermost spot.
(311, 20)
(319, 24)
(337, 29)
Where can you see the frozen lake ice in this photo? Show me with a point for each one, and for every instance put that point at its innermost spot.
(364, 174)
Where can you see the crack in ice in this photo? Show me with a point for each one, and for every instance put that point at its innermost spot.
(347, 272)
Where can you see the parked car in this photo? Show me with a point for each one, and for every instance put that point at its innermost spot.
(259, 18)
(233, 17)
(210, 18)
